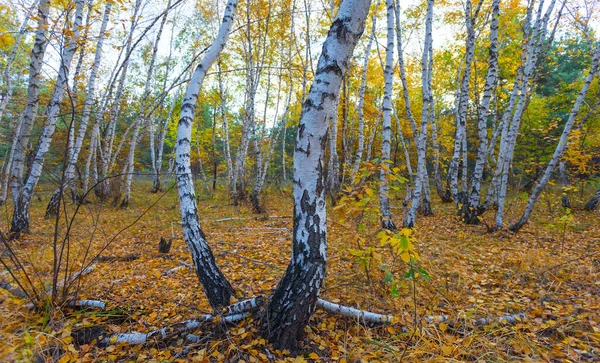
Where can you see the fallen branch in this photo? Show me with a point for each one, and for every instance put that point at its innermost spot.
(13, 290)
(358, 314)
(242, 218)
(95, 304)
(237, 311)
(128, 257)
(76, 275)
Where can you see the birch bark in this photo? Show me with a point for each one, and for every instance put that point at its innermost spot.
(562, 144)
(33, 98)
(361, 103)
(216, 286)
(422, 136)
(5, 96)
(473, 209)
(384, 202)
(144, 119)
(295, 299)
(53, 205)
(20, 221)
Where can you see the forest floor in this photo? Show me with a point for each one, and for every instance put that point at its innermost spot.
(549, 271)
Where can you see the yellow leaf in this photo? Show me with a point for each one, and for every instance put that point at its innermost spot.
(446, 350)
(405, 257)
(313, 355)
(443, 327)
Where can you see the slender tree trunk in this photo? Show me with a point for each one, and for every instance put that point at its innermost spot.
(106, 152)
(564, 180)
(217, 288)
(20, 221)
(24, 134)
(562, 144)
(422, 140)
(384, 202)
(294, 301)
(593, 202)
(53, 205)
(460, 142)
(361, 104)
(223, 98)
(5, 96)
(536, 42)
(473, 209)
(145, 117)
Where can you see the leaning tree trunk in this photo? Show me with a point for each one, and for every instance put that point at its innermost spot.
(295, 299)
(20, 221)
(217, 288)
(384, 201)
(422, 139)
(562, 144)
(593, 202)
(538, 38)
(52, 208)
(33, 98)
(473, 209)
(5, 96)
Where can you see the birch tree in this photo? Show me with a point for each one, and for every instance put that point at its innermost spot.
(144, 116)
(384, 202)
(510, 131)
(421, 176)
(5, 96)
(562, 144)
(53, 205)
(217, 288)
(361, 103)
(295, 298)
(472, 209)
(20, 222)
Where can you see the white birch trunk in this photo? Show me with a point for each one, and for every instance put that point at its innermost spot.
(225, 128)
(28, 117)
(384, 202)
(294, 301)
(361, 104)
(20, 222)
(562, 144)
(106, 151)
(473, 209)
(537, 39)
(5, 98)
(145, 118)
(216, 286)
(87, 110)
(460, 142)
(422, 140)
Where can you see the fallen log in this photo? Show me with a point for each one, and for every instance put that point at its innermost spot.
(233, 313)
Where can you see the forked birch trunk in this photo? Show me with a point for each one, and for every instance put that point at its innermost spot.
(473, 208)
(295, 299)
